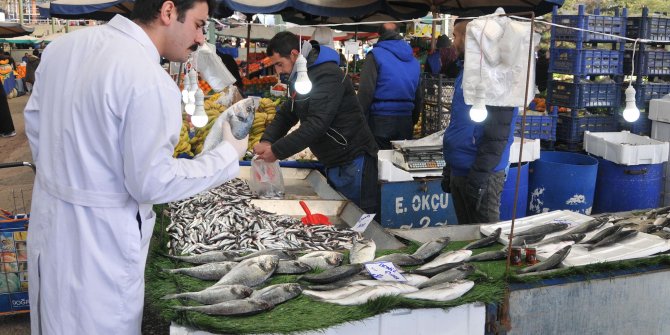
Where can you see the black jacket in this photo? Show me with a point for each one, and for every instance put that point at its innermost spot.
(331, 122)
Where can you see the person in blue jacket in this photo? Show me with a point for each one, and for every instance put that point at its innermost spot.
(389, 92)
(476, 154)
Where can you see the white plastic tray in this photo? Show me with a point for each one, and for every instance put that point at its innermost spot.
(626, 148)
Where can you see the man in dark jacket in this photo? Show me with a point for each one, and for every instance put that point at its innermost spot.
(389, 90)
(477, 154)
(331, 122)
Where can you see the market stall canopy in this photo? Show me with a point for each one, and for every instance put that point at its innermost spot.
(260, 32)
(12, 29)
(457, 7)
(87, 9)
(21, 40)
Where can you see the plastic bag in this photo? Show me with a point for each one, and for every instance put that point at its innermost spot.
(266, 179)
(211, 67)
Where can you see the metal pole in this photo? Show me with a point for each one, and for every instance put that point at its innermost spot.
(21, 11)
(248, 47)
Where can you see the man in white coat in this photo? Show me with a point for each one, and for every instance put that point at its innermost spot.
(103, 121)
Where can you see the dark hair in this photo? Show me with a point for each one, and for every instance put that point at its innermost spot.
(283, 43)
(146, 11)
(383, 29)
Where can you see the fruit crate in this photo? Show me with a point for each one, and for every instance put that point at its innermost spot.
(570, 128)
(583, 62)
(613, 25)
(648, 62)
(537, 126)
(583, 94)
(644, 92)
(640, 127)
(648, 27)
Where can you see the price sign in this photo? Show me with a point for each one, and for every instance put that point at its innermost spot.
(363, 222)
(384, 271)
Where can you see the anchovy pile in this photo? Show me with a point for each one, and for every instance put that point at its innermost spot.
(224, 219)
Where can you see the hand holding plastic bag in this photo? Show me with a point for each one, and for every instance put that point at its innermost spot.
(266, 179)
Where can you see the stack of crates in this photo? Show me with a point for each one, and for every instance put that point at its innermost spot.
(585, 56)
(652, 66)
(438, 92)
(13, 263)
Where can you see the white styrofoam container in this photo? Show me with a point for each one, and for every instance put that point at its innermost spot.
(626, 148)
(659, 109)
(660, 131)
(531, 150)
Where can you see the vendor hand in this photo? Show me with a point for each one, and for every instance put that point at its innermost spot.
(239, 145)
(263, 150)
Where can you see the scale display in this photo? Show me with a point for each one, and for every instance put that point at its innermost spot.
(418, 160)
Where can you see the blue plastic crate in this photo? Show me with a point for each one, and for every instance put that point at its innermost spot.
(648, 62)
(640, 127)
(613, 25)
(652, 28)
(537, 126)
(13, 264)
(583, 62)
(647, 91)
(581, 95)
(570, 128)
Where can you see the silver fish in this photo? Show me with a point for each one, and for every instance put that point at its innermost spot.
(446, 258)
(399, 259)
(451, 275)
(576, 237)
(488, 256)
(549, 263)
(322, 259)
(442, 292)
(335, 293)
(334, 274)
(292, 267)
(341, 283)
(543, 229)
(232, 307)
(430, 249)
(362, 251)
(486, 241)
(414, 279)
(207, 257)
(250, 272)
(526, 239)
(372, 292)
(602, 234)
(614, 238)
(214, 296)
(277, 294)
(281, 254)
(209, 271)
(438, 269)
(589, 226)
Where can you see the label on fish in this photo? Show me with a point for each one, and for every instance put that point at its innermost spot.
(363, 222)
(384, 271)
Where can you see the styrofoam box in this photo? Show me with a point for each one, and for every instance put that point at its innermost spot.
(659, 109)
(660, 131)
(531, 150)
(626, 148)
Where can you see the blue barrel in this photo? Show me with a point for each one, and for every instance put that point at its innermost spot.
(627, 187)
(562, 180)
(507, 197)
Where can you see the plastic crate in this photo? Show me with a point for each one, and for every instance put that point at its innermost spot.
(437, 89)
(640, 127)
(626, 148)
(652, 28)
(613, 25)
(435, 118)
(647, 91)
(570, 129)
(648, 62)
(537, 127)
(13, 264)
(437, 95)
(580, 95)
(583, 62)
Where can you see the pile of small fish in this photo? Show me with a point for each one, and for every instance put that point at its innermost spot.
(224, 219)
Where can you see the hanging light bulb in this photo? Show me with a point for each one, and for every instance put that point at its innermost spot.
(184, 92)
(631, 113)
(199, 118)
(478, 111)
(302, 83)
(193, 78)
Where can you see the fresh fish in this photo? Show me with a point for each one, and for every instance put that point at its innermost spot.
(209, 271)
(549, 263)
(589, 226)
(334, 294)
(663, 221)
(414, 279)
(341, 283)
(322, 259)
(602, 234)
(207, 257)
(334, 274)
(399, 259)
(574, 237)
(277, 294)
(281, 254)
(519, 241)
(438, 269)
(429, 249)
(369, 293)
(250, 272)
(543, 229)
(443, 292)
(362, 251)
(232, 307)
(446, 258)
(214, 296)
(488, 256)
(485, 242)
(614, 238)
(292, 267)
(239, 116)
(454, 274)
(648, 228)
(663, 234)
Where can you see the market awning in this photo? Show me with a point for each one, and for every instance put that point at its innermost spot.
(21, 40)
(87, 9)
(457, 7)
(11, 29)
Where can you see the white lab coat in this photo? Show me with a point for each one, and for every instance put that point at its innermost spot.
(102, 121)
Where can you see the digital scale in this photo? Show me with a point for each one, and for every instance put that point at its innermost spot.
(418, 158)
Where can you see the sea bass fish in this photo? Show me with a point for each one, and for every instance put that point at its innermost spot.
(214, 296)
(603, 233)
(277, 294)
(334, 274)
(207, 257)
(614, 238)
(287, 267)
(446, 258)
(232, 307)
(549, 263)
(430, 249)
(589, 226)
(399, 259)
(576, 237)
(209, 271)
(250, 272)
(443, 292)
(239, 116)
(543, 229)
(369, 293)
(362, 251)
(488, 256)
(322, 259)
(281, 254)
(451, 275)
(484, 242)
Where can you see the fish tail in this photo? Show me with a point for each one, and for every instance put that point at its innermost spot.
(171, 296)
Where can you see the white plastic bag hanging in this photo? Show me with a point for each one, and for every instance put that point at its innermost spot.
(210, 66)
(266, 179)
